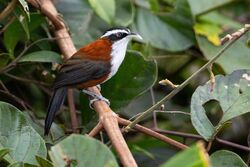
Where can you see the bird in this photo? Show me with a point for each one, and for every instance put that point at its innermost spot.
(92, 65)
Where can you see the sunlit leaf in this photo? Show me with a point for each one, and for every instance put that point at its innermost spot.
(231, 91)
(81, 150)
(191, 157)
(226, 158)
(210, 31)
(104, 8)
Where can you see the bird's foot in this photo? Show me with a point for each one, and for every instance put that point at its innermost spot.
(95, 97)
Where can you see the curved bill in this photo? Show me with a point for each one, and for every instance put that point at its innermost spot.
(135, 35)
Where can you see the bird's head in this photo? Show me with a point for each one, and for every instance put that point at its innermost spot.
(121, 33)
(119, 37)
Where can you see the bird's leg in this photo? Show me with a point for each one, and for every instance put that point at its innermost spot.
(95, 97)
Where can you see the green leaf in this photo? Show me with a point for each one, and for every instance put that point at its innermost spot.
(89, 28)
(224, 158)
(202, 6)
(104, 9)
(231, 91)
(4, 59)
(16, 32)
(164, 32)
(194, 156)
(3, 152)
(19, 136)
(43, 162)
(12, 35)
(56, 132)
(42, 56)
(81, 150)
(124, 13)
(20, 15)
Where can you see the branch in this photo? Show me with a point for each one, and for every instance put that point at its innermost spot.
(96, 130)
(153, 134)
(72, 110)
(198, 137)
(110, 123)
(186, 82)
(106, 115)
(17, 99)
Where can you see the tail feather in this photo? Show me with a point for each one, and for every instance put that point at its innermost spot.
(55, 103)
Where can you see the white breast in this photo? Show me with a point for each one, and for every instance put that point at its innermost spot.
(118, 54)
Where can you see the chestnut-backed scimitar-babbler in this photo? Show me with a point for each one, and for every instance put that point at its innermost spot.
(91, 65)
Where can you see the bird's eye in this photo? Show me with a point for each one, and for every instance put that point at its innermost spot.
(119, 34)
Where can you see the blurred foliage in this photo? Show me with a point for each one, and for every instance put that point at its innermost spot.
(179, 37)
(194, 156)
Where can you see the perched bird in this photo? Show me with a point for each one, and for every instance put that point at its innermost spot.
(91, 65)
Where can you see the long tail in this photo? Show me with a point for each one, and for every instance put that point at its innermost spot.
(55, 103)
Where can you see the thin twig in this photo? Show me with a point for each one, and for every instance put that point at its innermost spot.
(186, 82)
(153, 103)
(209, 145)
(72, 109)
(173, 112)
(7, 24)
(8, 9)
(153, 134)
(96, 130)
(26, 79)
(17, 99)
(4, 87)
(198, 137)
(231, 144)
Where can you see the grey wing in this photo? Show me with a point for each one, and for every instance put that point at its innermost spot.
(79, 71)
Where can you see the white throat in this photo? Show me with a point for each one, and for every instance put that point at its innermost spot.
(118, 54)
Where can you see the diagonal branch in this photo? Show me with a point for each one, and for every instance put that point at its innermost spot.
(153, 134)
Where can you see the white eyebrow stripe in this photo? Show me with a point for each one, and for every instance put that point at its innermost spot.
(113, 32)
